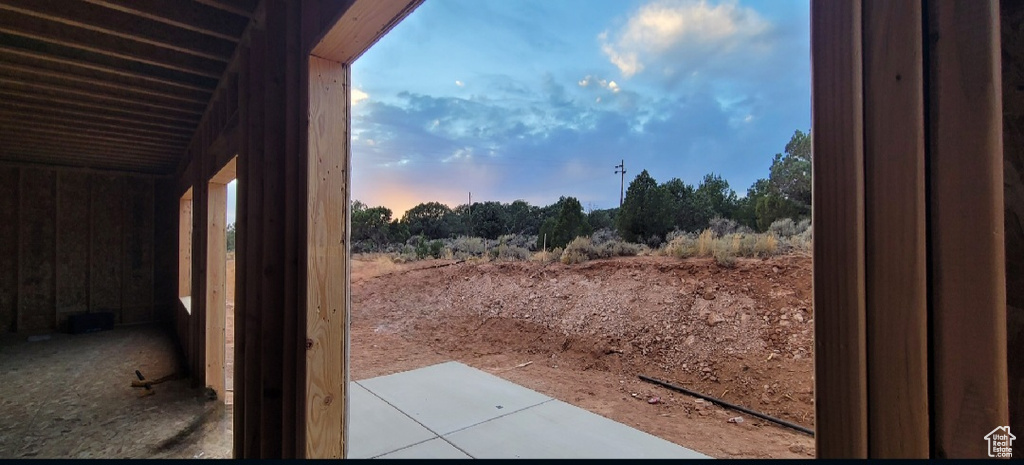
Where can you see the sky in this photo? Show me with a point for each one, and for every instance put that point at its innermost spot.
(536, 99)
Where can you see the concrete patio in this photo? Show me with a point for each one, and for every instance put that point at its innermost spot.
(451, 410)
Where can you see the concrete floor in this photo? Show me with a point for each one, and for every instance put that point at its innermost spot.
(451, 410)
(66, 396)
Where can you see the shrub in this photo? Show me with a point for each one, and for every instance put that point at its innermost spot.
(617, 249)
(579, 250)
(723, 254)
(786, 227)
(766, 245)
(723, 226)
(682, 246)
(467, 247)
(705, 243)
(604, 235)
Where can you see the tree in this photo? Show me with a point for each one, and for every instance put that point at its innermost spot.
(569, 223)
(429, 219)
(490, 220)
(523, 218)
(715, 197)
(645, 211)
(602, 219)
(790, 174)
(687, 214)
(371, 225)
(230, 233)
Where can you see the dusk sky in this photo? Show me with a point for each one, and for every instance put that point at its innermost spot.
(535, 99)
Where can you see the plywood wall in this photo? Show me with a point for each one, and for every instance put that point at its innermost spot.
(75, 241)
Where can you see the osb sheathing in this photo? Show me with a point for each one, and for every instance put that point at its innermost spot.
(74, 241)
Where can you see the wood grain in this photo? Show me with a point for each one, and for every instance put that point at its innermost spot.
(895, 241)
(968, 283)
(327, 295)
(838, 217)
(216, 286)
(360, 26)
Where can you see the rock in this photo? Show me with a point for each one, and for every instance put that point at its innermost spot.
(798, 317)
(735, 420)
(690, 340)
(796, 449)
(714, 319)
(654, 400)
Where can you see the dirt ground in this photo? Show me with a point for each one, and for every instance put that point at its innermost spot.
(582, 333)
(70, 396)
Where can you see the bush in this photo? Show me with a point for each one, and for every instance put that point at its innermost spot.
(682, 246)
(766, 245)
(618, 249)
(786, 227)
(705, 243)
(464, 247)
(723, 254)
(579, 250)
(723, 226)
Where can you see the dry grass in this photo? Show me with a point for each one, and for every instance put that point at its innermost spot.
(725, 249)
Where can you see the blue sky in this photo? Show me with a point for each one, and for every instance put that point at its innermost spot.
(525, 99)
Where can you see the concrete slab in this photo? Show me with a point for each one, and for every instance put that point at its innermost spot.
(556, 429)
(451, 396)
(436, 448)
(376, 428)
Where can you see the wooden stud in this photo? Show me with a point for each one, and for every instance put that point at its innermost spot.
(965, 175)
(241, 256)
(839, 282)
(242, 8)
(895, 265)
(328, 262)
(216, 259)
(253, 130)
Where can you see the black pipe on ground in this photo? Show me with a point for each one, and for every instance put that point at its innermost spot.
(728, 404)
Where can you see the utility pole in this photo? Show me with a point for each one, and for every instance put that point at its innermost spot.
(621, 169)
(470, 232)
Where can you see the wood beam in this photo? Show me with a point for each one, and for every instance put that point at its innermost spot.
(243, 8)
(328, 296)
(360, 26)
(103, 102)
(46, 160)
(965, 175)
(895, 218)
(110, 70)
(63, 122)
(192, 16)
(12, 22)
(33, 83)
(99, 110)
(841, 413)
(125, 26)
(84, 128)
(216, 310)
(13, 134)
(101, 86)
(15, 106)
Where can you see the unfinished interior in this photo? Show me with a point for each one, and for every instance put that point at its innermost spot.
(120, 121)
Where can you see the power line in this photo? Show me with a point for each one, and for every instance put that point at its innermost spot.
(621, 169)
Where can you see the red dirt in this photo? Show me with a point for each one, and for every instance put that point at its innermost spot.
(743, 334)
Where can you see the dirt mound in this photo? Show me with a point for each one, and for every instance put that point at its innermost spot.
(744, 334)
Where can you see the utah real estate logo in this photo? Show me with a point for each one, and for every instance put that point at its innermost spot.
(1000, 442)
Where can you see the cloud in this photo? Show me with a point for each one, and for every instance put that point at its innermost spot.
(678, 37)
(603, 83)
(358, 96)
(459, 83)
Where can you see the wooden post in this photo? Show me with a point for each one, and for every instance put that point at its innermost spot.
(216, 258)
(968, 281)
(839, 284)
(896, 273)
(328, 264)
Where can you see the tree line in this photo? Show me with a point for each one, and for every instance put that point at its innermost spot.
(649, 210)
